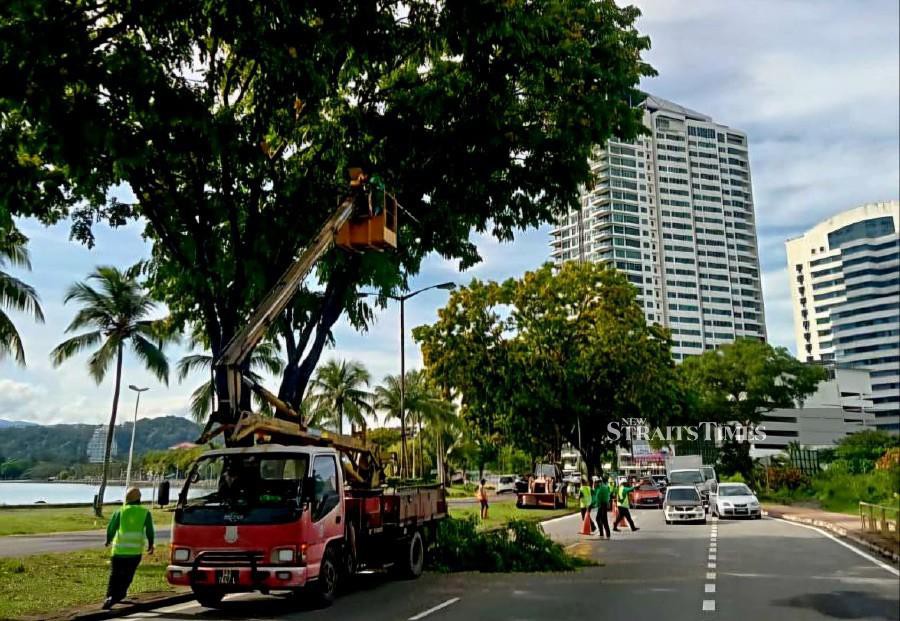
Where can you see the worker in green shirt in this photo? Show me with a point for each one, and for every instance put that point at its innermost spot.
(585, 499)
(126, 532)
(601, 501)
(625, 505)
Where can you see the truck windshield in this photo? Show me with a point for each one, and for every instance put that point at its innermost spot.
(685, 477)
(545, 471)
(244, 489)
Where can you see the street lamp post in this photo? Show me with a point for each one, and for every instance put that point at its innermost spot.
(447, 286)
(133, 427)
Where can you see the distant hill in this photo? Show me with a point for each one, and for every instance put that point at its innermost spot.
(67, 444)
(9, 424)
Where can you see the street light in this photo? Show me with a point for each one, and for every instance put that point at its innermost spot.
(447, 286)
(133, 427)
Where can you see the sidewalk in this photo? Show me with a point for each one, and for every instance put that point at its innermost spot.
(66, 541)
(840, 524)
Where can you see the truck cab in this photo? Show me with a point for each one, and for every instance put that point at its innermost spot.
(259, 518)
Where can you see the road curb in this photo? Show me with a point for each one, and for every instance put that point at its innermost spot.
(139, 603)
(840, 532)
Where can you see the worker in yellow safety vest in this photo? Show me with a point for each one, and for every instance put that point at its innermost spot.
(126, 531)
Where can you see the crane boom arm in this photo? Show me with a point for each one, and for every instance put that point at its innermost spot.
(278, 298)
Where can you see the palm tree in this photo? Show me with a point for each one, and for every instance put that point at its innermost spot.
(115, 314)
(15, 294)
(264, 358)
(338, 390)
(421, 401)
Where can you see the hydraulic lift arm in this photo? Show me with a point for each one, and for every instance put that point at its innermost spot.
(248, 337)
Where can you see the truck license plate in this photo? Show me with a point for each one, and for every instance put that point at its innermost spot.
(227, 576)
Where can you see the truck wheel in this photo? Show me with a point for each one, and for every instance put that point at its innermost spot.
(350, 554)
(327, 583)
(208, 598)
(411, 562)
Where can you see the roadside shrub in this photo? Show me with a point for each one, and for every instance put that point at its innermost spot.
(790, 478)
(737, 477)
(861, 450)
(840, 490)
(518, 547)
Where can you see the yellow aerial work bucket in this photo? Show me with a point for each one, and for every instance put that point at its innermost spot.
(374, 224)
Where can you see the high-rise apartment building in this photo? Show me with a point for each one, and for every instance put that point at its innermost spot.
(96, 448)
(673, 210)
(845, 285)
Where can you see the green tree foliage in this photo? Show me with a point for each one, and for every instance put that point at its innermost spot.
(736, 384)
(15, 294)
(114, 315)
(387, 439)
(170, 461)
(233, 125)
(860, 451)
(14, 468)
(533, 357)
(339, 390)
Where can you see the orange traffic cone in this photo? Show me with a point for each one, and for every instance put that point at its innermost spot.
(586, 524)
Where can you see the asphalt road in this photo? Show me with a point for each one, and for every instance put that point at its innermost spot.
(24, 545)
(764, 570)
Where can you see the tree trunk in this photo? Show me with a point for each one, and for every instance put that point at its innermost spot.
(421, 449)
(340, 418)
(98, 507)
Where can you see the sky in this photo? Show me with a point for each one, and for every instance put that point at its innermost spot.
(814, 84)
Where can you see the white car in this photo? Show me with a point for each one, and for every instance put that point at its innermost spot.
(735, 500)
(683, 504)
(506, 483)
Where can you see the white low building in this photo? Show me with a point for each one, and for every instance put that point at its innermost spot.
(842, 405)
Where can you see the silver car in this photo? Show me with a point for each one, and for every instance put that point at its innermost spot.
(735, 500)
(683, 504)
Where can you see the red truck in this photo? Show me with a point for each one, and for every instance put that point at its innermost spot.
(283, 518)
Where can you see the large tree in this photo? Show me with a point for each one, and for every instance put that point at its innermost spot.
(555, 355)
(14, 293)
(233, 124)
(736, 384)
(115, 313)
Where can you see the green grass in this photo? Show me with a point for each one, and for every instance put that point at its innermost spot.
(501, 513)
(37, 520)
(461, 491)
(46, 583)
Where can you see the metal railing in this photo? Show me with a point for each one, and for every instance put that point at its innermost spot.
(879, 519)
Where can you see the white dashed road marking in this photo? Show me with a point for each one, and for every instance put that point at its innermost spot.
(425, 613)
(709, 605)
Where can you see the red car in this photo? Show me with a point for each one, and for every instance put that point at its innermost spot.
(647, 494)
